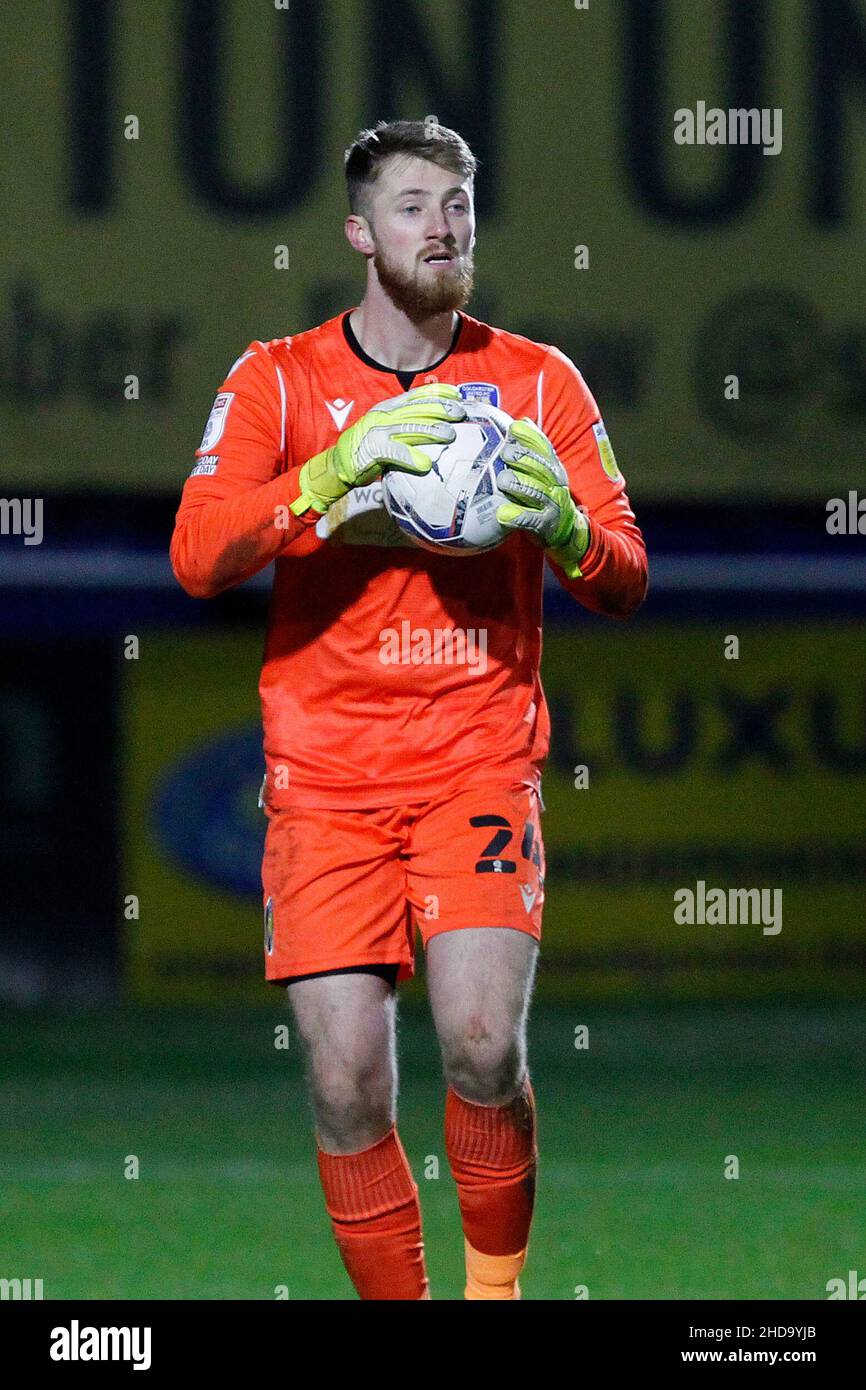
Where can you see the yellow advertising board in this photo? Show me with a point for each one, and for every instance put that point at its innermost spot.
(193, 830)
(675, 770)
(177, 191)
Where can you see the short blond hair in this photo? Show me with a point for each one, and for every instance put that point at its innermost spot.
(425, 139)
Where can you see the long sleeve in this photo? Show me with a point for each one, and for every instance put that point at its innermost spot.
(234, 516)
(614, 570)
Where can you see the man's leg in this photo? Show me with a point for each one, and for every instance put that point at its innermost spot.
(347, 1023)
(480, 983)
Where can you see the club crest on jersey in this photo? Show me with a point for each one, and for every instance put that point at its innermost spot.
(216, 421)
(483, 391)
(269, 926)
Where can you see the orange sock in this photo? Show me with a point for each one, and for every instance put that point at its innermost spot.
(372, 1201)
(493, 1156)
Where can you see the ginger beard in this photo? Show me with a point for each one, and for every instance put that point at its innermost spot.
(426, 291)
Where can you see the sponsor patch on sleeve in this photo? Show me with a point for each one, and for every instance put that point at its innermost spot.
(206, 464)
(605, 452)
(216, 421)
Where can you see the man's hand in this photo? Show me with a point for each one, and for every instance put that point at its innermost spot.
(543, 504)
(383, 438)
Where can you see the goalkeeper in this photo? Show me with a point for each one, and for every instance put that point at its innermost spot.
(404, 798)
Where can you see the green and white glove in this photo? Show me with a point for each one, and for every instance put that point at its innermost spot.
(543, 504)
(383, 438)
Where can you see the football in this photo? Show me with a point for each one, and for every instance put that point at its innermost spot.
(453, 507)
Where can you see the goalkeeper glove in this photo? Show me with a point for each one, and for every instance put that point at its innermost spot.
(382, 438)
(544, 505)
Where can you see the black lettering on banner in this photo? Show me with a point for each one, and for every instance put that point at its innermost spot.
(848, 391)
(647, 128)
(830, 751)
(38, 353)
(50, 356)
(402, 55)
(630, 736)
(203, 138)
(92, 138)
(828, 725)
(838, 48)
(753, 732)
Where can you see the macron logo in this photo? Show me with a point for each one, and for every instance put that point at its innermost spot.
(528, 895)
(339, 411)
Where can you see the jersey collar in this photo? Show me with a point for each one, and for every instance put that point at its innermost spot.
(405, 377)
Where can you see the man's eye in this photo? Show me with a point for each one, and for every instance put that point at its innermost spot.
(460, 207)
(413, 207)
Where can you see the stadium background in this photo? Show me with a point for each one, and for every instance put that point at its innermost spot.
(130, 921)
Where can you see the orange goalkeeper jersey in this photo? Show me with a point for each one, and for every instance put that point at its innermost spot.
(392, 674)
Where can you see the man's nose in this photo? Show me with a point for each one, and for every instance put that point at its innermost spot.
(438, 229)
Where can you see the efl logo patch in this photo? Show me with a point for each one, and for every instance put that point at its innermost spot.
(216, 421)
(606, 454)
(207, 464)
(269, 926)
(483, 391)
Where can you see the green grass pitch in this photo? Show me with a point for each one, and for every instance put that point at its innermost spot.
(634, 1133)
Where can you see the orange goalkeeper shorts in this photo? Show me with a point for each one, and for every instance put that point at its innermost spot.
(349, 888)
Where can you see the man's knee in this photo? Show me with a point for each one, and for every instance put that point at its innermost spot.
(353, 1104)
(346, 1023)
(349, 1131)
(483, 1064)
(354, 1085)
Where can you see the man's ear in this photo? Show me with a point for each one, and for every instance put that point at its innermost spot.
(360, 234)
